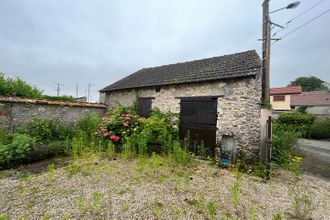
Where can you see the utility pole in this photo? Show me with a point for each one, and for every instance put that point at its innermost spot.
(77, 90)
(57, 88)
(89, 92)
(265, 51)
(266, 39)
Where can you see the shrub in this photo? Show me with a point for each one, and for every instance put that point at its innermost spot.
(17, 150)
(4, 136)
(44, 130)
(296, 118)
(88, 125)
(44, 151)
(18, 87)
(320, 129)
(59, 98)
(115, 126)
(283, 145)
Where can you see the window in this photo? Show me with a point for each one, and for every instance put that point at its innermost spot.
(278, 98)
(144, 107)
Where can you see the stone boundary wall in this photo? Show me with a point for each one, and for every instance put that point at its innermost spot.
(238, 106)
(15, 113)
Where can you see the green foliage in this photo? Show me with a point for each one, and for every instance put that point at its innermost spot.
(17, 150)
(49, 150)
(236, 189)
(5, 137)
(296, 122)
(302, 204)
(88, 125)
(296, 118)
(44, 130)
(283, 145)
(320, 129)
(116, 125)
(309, 83)
(277, 216)
(18, 87)
(252, 213)
(59, 98)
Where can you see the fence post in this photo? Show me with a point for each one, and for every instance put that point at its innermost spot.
(269, 147)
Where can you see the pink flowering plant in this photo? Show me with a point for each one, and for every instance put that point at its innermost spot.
(115, 126)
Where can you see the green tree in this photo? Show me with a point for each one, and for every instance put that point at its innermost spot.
(309, 83)
(18, 87)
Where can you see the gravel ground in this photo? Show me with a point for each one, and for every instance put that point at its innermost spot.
(154, 189)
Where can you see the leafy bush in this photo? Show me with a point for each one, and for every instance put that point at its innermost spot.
(320, 129)
(44, 151)
(283, 145)
(18, 87)
(296, 122)
(115, 126)
(18, 149)
(5, 137)
(44, 130)
(88, 124)
(59, 98)
(296, 118)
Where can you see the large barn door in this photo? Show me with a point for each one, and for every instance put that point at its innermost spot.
(198, 115)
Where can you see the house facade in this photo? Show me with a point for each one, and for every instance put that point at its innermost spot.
(218, 99)
(315, 102)
(280, 98)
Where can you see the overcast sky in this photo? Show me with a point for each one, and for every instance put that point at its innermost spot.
(98, 42)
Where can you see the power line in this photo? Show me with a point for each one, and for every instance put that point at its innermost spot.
(297, 16)
(294, 30)
(304, 12)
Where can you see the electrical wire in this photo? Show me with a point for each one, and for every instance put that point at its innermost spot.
(294, 30)
(297, 16)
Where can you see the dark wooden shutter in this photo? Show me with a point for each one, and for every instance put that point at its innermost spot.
(144, 107)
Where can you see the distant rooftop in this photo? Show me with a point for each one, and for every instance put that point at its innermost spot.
(286, 90)
(223, 67)
(311, 98)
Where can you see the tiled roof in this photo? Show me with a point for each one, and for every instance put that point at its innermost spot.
(285, 90)
(311, 98)
(228, 66)
(48, 102)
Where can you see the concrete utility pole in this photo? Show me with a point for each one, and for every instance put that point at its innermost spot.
(265, 51)
(77, 90)
(266, 39)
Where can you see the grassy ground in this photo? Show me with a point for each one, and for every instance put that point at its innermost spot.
(156, 188)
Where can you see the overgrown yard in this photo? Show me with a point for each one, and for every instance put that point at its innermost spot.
(158, 188)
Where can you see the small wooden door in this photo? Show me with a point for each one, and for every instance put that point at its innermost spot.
(144, 107)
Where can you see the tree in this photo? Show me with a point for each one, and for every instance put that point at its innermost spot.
(18, 87)
(309, 83)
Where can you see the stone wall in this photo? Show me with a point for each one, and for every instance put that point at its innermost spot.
(238, 106)
(15, 113)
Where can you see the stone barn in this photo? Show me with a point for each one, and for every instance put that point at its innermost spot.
(218, 99)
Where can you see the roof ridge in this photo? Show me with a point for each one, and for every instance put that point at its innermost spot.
(207, 58)
(239, 64)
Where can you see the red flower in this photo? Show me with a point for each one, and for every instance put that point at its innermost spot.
(104, 129)
(123, 115)
(105, 134)
(125, 125)
(114, 137)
